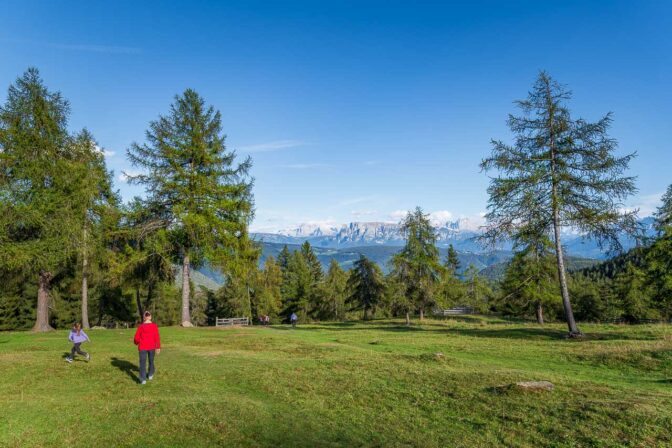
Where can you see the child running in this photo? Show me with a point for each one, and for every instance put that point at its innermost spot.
(148, 342)
(77, 337)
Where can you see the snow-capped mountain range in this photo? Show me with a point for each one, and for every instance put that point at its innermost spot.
(367, 234)
(460, 233)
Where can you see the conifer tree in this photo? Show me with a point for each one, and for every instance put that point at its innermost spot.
(333, 292)
(530, 280)
(195, 186)
(313, 262)
(40, 213)
(297, 286)
(630, 289)
(366, 287)
(559, 172)
(477, 291)
(663, 214)
(659, 272)
(98, 202)
(283, 258)
(452, 260)
(268, 299)
(418, 264)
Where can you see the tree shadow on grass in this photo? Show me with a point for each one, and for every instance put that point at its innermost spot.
(506, 332)
(127, 367)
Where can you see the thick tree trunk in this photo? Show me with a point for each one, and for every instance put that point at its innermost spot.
(422, 314)
(564, 291)
(42, 321)
(540, 314)
(186, 316)
(85, 292)
(408, 318)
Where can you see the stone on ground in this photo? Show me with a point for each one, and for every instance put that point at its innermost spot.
(535, 385)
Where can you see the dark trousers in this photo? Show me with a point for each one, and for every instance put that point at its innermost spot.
(76, 349)
(144, 354)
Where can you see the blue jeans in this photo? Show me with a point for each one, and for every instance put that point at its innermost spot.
(144, 354)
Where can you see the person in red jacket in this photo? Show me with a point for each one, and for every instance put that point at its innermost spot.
(148, 342)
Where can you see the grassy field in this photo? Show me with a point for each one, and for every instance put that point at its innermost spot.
(350, 384)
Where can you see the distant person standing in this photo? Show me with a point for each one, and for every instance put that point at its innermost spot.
(293, 319)
(148, 342)
(77, 337)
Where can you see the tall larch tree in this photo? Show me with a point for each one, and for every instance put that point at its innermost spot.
(559, 173)
(40, 213)
(98, 203)
(418, 264)
(199, 191)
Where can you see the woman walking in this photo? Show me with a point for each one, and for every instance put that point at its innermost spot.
(148, 342)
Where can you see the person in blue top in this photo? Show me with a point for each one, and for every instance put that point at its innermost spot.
(77, 337)
(293, 319)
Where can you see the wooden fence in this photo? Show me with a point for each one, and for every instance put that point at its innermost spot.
(231, 321)
(454, 311)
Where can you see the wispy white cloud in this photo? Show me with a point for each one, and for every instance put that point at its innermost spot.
(363, 213)
(271, 146)
(110, 49)
(105, 152)
(372, 162)
(398, 215)
(440, 217)
(358, 200)
(647, 204)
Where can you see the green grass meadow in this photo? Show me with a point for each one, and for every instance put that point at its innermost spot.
(351, 384)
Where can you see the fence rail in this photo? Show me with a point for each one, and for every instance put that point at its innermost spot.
(231, 321)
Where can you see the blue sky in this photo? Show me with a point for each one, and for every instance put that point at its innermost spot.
(353, 110)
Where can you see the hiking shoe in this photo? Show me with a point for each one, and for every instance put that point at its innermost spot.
(88, 357)
(150, 377)
(68, 359)
(143, 382)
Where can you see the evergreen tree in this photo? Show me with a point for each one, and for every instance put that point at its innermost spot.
(297, 286)
(315, 292)
(99, 203)
(199, 194)
(283, 258)
(663, 214)
(140, 262)
(395, 298)
(333, 291)
(477, 291)
(418, 265)
(268, 300)
(659, 272)
(366, 286)
(630, 288)
(452, 261)
(452, 289)
(40, 213)
(530, 281)
(313, 262)
(560, 172)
